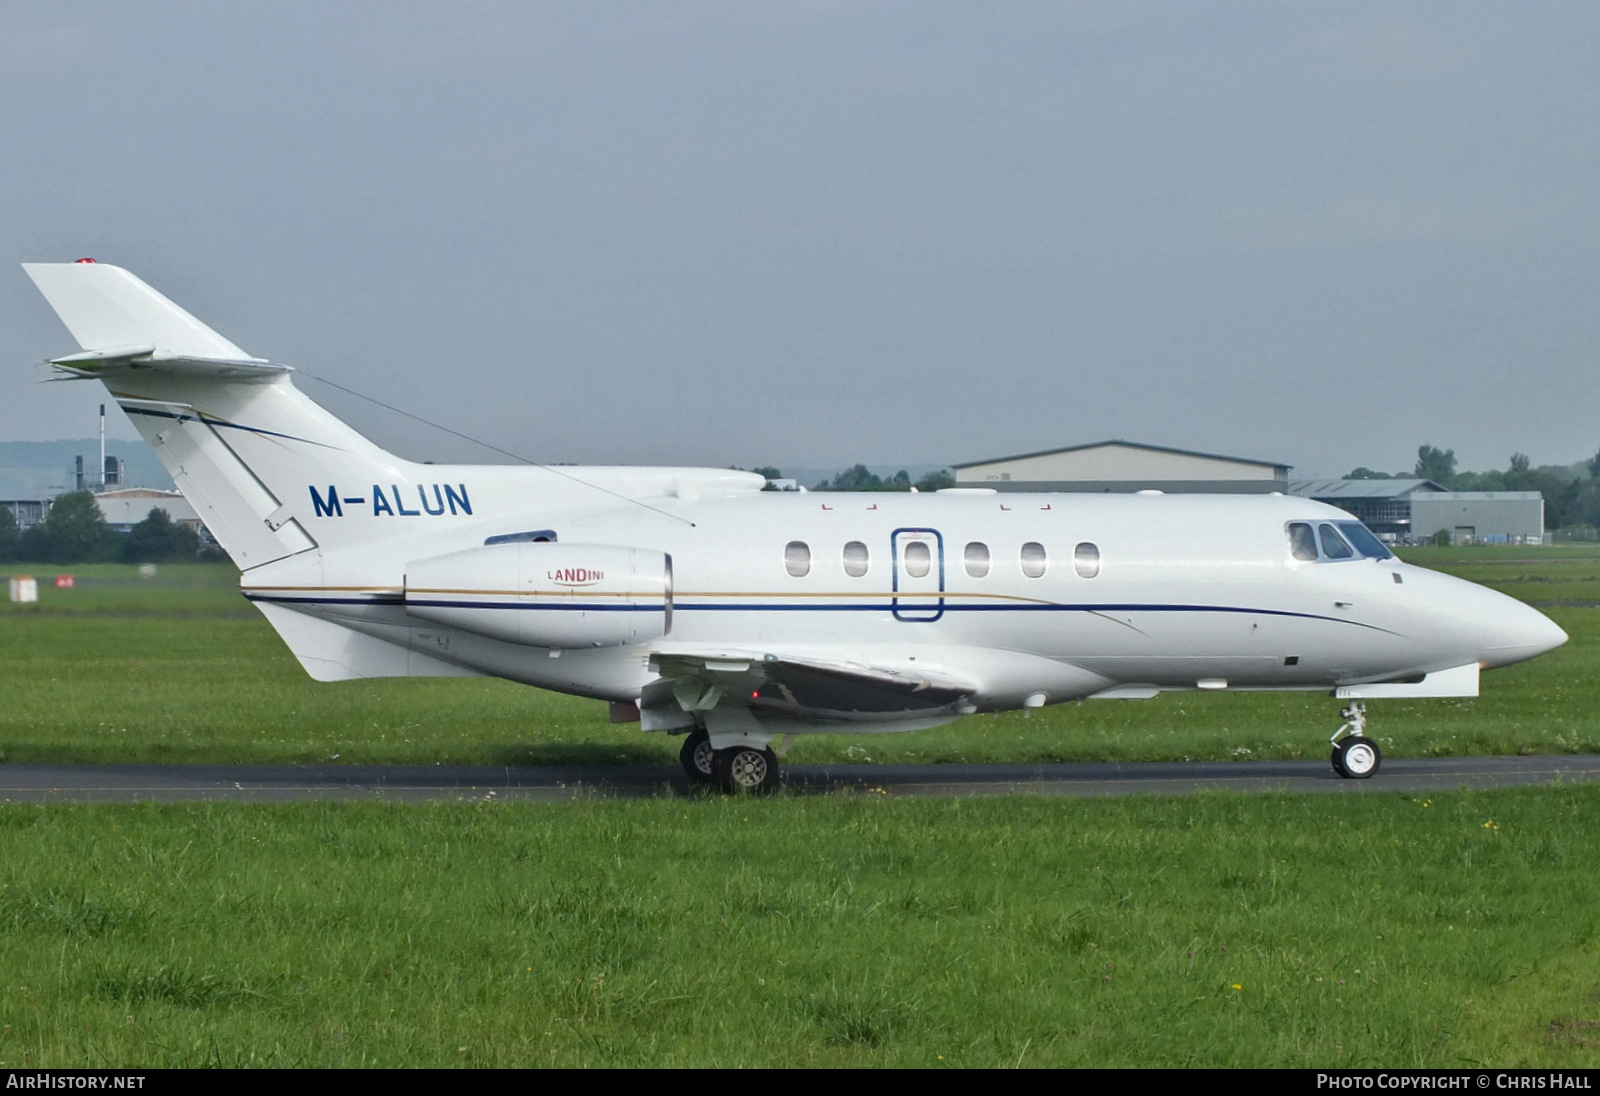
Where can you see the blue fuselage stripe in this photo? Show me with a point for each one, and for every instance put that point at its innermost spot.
(210, 421)
(780, 607)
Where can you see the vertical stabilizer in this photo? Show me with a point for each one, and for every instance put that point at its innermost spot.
(105, 307)
(241, 442)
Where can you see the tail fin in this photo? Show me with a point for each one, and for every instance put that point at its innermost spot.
(240, 441)
(107, 308)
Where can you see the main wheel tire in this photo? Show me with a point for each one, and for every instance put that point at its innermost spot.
(696, 757)
(746, 770)
(1357, 757)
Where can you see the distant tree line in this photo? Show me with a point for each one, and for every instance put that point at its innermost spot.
(1571, 492)
(862, 478)
(75, 531)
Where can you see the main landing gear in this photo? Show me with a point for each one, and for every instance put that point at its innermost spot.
(745, 769)
(1355, 756)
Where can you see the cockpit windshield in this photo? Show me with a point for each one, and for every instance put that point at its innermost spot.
(1333, 545)
(1302, 541)
(1364, 541)
(1334, 540)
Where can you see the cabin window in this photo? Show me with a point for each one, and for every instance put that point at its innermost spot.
(919, 560)
(855, 559)
(976, 559)
(1302, 542)
(1363, 539)
(797, 558)
(1033, 559)
(1086, 560)
(1333, 545)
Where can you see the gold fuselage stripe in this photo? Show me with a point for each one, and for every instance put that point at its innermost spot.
(678, 595)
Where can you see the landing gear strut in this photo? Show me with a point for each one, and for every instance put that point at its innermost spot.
(1355, 756)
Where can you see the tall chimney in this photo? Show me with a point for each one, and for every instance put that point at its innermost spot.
(102, 446)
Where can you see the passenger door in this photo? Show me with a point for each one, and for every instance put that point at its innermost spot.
(918, 564)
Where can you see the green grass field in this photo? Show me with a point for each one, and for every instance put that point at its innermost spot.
(844, 930)
(1382, 929)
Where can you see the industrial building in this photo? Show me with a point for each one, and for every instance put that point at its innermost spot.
(1405, 511)
(1125, 466)
(1480, 517)
(123, 508)
(127, 507)
(26, 512)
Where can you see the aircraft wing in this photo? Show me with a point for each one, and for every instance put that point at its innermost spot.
(797, 685)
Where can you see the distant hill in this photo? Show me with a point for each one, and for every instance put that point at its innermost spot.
(31, 469)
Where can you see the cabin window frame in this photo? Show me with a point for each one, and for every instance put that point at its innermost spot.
(1087, 564)
(915, 554)
(858, 564)
(797, 558)
(1033, 567)
(972, 564)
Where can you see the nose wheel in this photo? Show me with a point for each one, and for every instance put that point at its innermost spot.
(1355, 756)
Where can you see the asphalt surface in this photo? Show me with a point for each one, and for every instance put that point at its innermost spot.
(407, 783)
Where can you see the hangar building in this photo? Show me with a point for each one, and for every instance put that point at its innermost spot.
(1383, 505)
(1407, 510)
(1480, 517)
(1125, 466)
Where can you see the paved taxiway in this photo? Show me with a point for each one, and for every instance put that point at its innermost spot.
(293, 783)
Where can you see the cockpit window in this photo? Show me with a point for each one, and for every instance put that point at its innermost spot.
(1365, 543)
(1302, 541)
(1333, 545)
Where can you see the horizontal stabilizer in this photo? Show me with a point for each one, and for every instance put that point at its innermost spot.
(99, 363)
(106, 307)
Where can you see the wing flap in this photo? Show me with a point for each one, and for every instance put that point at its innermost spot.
(787, 684)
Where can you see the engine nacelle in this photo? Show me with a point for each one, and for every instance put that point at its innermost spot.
(547, 595)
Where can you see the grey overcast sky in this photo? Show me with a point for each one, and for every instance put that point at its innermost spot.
(813, 233)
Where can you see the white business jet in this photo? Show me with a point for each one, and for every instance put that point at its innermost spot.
(701, 605)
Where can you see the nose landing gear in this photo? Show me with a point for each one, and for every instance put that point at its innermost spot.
(1355, 756)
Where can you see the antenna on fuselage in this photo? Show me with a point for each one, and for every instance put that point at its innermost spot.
(475, 441)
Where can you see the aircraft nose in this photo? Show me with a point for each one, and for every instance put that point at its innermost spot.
(1513, 632)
